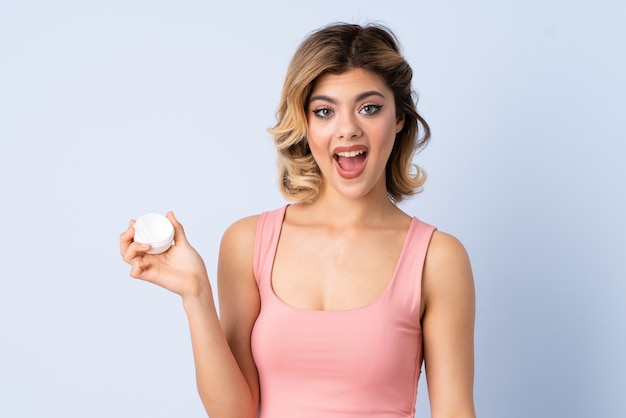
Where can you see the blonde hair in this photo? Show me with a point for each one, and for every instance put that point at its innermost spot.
(335, 49)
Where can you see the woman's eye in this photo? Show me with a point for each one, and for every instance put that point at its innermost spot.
(323, 112)
(370, 109)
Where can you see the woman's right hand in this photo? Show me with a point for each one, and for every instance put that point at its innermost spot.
(180, 269)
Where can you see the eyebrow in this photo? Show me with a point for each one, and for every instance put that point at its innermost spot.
(360, 97)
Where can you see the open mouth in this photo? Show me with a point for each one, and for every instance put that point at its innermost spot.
(350, 163)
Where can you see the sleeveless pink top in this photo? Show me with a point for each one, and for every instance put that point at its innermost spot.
(356, 363)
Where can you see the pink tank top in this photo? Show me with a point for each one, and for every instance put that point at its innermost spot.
(356, 363)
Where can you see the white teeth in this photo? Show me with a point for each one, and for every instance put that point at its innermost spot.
(350, 154)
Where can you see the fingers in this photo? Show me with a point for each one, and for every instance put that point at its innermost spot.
(179, 232)
(135, 255)
(129, 249)
(138, 266)
(126, 238)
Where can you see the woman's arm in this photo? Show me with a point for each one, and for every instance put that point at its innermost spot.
(448, 328)
(226, 376)
(240, 305)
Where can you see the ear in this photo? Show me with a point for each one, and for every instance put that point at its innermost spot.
(399, 123)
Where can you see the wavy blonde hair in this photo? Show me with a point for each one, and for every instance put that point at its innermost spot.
(336, 49)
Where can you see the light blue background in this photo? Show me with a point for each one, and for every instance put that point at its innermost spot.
(109, 109)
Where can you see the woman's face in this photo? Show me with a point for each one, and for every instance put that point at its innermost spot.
(352, 125)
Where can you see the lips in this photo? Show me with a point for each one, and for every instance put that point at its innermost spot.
(350, 161)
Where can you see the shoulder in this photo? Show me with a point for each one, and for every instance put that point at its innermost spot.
(445, 248)
(238, 239)
(235, 276)
(242, 229)
(237, 243)
(447, 269)
(240, 236)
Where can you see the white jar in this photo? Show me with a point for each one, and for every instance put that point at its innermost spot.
(156, 230)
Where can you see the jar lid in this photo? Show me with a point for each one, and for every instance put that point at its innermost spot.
(154, 229)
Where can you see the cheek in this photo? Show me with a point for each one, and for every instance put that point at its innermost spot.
(318, 137)
(318, 130)
(315, 145)
(388, 132)
(319, 154)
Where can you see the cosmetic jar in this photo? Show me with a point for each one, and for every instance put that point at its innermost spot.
(156, 230)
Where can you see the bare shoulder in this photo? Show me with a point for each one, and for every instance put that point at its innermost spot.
(235, 276)
(447, 269)
(241, 233)
(445, 248)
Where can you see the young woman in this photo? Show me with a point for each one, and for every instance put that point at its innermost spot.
(329, 305)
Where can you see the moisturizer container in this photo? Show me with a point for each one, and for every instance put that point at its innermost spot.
(156, 230)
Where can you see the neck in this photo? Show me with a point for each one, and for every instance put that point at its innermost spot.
(373, 208)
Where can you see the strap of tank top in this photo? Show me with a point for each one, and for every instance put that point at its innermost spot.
(266, 241)
(408, 281)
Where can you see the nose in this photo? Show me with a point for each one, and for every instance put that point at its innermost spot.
(348, 126)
